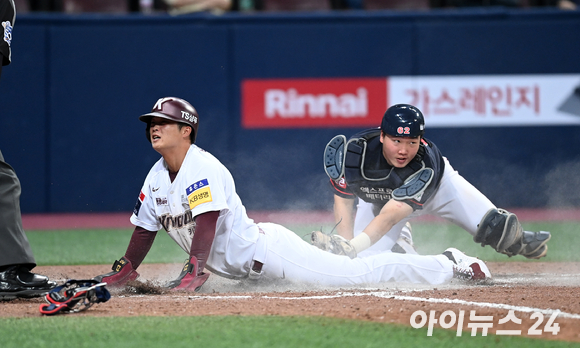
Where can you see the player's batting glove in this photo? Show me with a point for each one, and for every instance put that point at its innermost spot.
(122, 273)
(191, 277)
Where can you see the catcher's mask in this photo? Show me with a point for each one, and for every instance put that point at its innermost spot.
(403, 120)
(74, 296)
(174, 109)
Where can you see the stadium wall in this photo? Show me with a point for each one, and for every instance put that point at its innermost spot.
(69, 102)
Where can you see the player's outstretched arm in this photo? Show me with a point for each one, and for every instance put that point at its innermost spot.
(391, 213)
(344, 216)
(192, 276)
(122, 272)
(124, 269)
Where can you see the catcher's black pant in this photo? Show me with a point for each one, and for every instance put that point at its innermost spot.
(14, 246)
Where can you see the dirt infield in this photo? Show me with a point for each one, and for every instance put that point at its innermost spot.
(527, 288)
(534, 291)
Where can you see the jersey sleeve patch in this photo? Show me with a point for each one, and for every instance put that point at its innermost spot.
(340, 188)
(139, 203)
(198, 193)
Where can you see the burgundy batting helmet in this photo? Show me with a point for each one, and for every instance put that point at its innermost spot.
(174, 109)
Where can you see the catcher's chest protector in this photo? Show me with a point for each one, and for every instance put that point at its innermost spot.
(367, 172)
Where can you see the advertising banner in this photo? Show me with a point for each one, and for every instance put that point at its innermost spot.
(301, 103)
(446, 101)
(491, 100)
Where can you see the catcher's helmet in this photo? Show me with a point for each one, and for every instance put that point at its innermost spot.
(403, 120)
(174, 109)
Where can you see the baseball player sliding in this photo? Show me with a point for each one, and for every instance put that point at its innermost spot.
(397, 175)
(192, 195)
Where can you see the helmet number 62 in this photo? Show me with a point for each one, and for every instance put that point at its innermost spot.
(403, 130)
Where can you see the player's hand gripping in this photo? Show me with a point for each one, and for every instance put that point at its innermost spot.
(122, 273)
(191, 277)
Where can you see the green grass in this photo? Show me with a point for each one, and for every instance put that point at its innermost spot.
(84, 247)
(434, 238)
(88, 247)
(237, 331)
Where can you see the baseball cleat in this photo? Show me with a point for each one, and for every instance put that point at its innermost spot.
(18, 281)
(467, 267)
(404, 244)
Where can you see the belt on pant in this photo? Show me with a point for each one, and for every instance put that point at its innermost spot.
(255, 270)
(257, 266)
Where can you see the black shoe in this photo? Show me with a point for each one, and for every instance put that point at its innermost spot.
(18, 281)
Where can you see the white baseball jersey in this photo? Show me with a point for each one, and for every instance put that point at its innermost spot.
(204, 184)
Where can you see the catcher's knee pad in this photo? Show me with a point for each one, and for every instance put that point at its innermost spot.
(500, 229)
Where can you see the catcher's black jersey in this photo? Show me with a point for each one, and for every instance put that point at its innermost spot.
(369, 177)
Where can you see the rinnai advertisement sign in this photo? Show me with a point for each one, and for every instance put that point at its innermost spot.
(313, 102)
(446, 101)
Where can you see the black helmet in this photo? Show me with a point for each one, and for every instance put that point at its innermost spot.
(403, 120)
(175, 109)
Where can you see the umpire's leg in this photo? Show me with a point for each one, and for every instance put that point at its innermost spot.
(14, 246)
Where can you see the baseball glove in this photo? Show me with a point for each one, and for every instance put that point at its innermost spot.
(332, 243)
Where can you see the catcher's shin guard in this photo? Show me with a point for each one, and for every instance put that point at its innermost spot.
(501, 230)
(498, 228)
(532, 245)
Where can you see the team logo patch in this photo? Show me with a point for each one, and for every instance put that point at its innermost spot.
(161, 201)
(139, 203)
(198, 193)
(7, 32)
